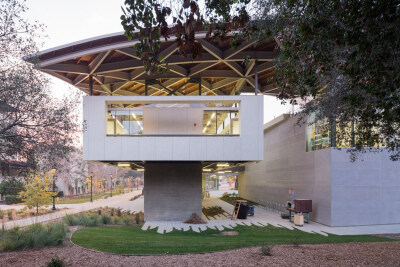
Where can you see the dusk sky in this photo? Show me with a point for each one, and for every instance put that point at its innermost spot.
(73, 20)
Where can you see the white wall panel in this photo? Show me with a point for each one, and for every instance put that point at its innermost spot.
(215, 148)
(181, 148)
(130, 148)
(113, 148)
(164, 148)
(147, 148)
(198, 148)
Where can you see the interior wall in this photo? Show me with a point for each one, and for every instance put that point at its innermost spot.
(172, 190)
(173, 121)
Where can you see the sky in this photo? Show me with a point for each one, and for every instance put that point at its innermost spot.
(74, 20)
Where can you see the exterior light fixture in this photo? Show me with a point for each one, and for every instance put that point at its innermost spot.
(124, 164)
(222, 164)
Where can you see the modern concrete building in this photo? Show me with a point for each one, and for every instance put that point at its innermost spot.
(194, 119)
(344, 193)
(173, 126)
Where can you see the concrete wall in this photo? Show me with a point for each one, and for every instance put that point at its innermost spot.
(365, 192)
(287, 165)
(246, 147)
(172, 190)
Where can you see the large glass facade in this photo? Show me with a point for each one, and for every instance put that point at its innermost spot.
(218, 118)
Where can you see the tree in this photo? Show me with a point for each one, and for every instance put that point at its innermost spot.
(38, 190)
(11, 186)
(340, 57)
(33, 125)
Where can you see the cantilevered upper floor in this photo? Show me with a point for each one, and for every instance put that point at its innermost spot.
(173, 128)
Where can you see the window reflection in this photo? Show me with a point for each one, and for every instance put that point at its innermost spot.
(121, 122)
(220, 122)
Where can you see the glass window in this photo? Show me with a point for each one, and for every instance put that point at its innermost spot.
(220, 122)
(210, 122)
(122, 120)
(110, 123)
(136, 124)
(317, 134)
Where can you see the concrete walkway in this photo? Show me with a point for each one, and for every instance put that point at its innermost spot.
(115, 201)
(264, 217)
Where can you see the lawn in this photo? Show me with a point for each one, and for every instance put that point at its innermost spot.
(132, 240)
(83, 199)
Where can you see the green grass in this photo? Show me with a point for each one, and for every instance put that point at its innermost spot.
(132, 240)
(83, 199)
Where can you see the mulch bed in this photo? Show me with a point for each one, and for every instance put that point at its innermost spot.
(350, 254)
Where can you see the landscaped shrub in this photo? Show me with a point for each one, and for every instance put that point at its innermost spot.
(266, 250)
(116, 220)
(106, 219)
(11, 199)
(60, 194)
(36, 235)
(10, 215)
(83, 219)
(56, 262)
(99, 211)
(119, 213)
(1, 214)
(126, 220)
(137, 218)
(112, 212)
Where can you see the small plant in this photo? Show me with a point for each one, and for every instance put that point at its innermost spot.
(126, 220)
(56, 262)
(296, 241)
(266, 250)
(137, 218)
(99, 211)
(112, 212)
(106, 219)
(119, 213)
(10, 215)
(1, 214)
(116, 220)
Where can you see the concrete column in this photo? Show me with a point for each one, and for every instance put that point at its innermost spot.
(172, 190)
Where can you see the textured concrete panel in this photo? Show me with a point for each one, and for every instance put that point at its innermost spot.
(287, 165)
(172, 190)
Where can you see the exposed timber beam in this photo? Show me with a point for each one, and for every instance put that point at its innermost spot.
(235, 67)
(70, 68)
(223, 83)
(95, 63)
(178, 70)
(119, 66)
(217, 53)
(233, 51)
(201, 67)
(130, 52)
(239, 86)
(167, 52)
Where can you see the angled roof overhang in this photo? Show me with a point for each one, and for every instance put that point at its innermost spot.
(114, 69)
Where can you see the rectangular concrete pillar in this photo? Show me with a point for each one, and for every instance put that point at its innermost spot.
(172, 190)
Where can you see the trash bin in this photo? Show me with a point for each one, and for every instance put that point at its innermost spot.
(251, 211)
(243, 211)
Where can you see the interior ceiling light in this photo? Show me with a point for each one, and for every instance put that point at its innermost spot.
(140, 170)
(124, 164)
(222, 164)
(228, 171)
(206, 170)
(221, 172)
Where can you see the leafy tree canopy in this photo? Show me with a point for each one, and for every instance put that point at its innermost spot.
(342, 58)
(11, 186)
(33, 125)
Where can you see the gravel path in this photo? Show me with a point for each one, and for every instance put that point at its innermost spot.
(351, 254)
